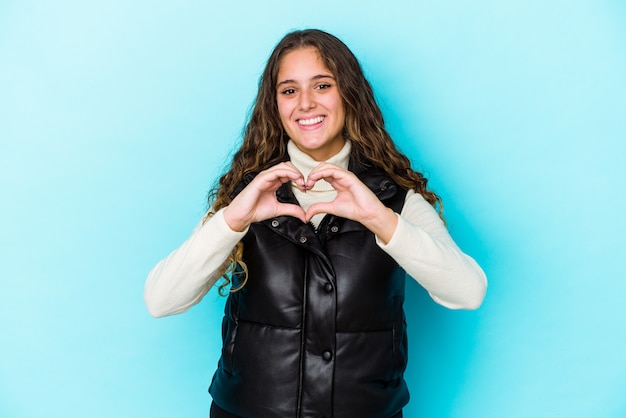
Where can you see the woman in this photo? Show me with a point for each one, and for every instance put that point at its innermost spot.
(316, 223)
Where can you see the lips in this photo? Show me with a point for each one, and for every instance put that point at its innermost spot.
(311, 121)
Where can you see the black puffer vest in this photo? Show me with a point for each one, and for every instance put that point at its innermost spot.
(319, 328)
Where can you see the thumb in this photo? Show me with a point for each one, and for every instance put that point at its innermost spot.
(320, 207)
(292, 210)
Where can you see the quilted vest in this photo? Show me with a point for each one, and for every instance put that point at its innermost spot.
(319, 328)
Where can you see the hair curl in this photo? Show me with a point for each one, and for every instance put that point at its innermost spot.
(265, 140)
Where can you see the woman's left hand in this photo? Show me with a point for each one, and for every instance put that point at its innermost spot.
(353, 201)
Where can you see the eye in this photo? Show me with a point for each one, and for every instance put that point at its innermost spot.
(287, 91)
(323, 86)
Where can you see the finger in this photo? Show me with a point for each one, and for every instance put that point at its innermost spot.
(320, 207)
(287, 165)
(300, 182)
(291, 165)
(324, 167)
(276, 176)
(333, 175)
(324, 171)
(284, 172)
(292, 210)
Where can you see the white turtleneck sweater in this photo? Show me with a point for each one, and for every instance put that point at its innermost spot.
(421, 245)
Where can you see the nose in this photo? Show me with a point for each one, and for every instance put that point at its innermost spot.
(307, 100)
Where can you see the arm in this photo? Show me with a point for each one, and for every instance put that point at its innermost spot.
(181, 280)
(417, 239)
(422, 246)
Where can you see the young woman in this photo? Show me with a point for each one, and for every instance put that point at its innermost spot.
(314, 228)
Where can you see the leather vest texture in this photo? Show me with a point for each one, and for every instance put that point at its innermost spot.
(319, 328)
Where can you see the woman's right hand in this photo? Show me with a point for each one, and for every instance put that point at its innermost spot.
(257, 201)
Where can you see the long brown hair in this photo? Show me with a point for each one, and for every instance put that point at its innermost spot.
(265, 140)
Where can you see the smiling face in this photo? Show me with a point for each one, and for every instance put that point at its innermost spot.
(309, 103)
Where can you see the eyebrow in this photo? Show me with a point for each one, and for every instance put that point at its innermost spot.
(315, 77)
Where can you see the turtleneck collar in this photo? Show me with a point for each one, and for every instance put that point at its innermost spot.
(305, 163)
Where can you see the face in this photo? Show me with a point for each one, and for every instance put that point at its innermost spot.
(309, 104)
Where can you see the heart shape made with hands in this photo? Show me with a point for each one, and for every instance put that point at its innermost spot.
(257, 201)
(354, 200)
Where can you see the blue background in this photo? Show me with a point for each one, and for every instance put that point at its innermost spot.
(117, 116)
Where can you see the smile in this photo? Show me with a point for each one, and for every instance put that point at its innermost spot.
(312, 121)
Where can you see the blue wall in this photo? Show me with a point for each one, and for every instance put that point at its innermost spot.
(115, 118)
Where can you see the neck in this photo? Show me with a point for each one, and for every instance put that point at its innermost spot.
(305, 163)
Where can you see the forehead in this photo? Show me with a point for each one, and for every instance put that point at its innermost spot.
(300, 63)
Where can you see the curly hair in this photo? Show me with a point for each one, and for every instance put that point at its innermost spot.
(265, 140)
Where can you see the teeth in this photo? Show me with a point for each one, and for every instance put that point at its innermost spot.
(311, 121)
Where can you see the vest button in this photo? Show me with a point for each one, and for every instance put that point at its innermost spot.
(275, 223)
(327, 355)
(303, 240)
(334, 228)
(328, 287)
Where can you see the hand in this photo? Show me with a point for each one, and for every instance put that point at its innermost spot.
(353, 201)
(257, 201)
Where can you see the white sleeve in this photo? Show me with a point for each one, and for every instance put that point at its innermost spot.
(422, 246)
(181, 280)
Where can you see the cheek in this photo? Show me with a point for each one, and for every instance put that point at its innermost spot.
(283, 110)
(340, 112)
(336, 104)
(284, 114)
